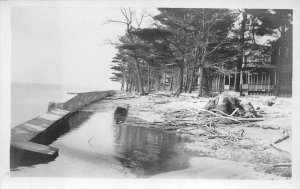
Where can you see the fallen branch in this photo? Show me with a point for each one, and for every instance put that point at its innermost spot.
(234, 111)
(282, 165)
(279, 149)
(229, 118)
(242, 132)
(224, 137)
(215, 110)
(251, 119)
(284, 137)
(270, 127)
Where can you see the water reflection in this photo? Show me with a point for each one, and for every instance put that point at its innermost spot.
(98, 141)
(148, 151)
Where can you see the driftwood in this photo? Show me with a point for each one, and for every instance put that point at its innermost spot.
(231, 105)
(219, 111)
(282, 165)
(265, 126)
(224, 117)
(284, 137)
(234, 111)
(270, 127)
(250, 119)
(224, 103)
(277, 148)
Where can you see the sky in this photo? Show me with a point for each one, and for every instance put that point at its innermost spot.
(64, 45)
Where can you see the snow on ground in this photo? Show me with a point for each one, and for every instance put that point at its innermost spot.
(211, 168)
(253, 150)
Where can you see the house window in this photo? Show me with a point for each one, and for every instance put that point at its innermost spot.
(264, 78)
(254, 78)
(245, 79)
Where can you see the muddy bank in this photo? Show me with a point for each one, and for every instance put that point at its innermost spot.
(246, 143)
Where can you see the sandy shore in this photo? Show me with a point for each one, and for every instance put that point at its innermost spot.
(249, 156)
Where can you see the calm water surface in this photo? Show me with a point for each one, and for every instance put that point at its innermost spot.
(93, 145)
(29, 100)
(100, 147)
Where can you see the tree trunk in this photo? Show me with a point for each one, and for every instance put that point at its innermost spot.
(278, 67)
(186, 83)
(139, 78)
(171, 83)
(127, 83)
(241, 49)
(163, 81)
(179, 80)
(122, 85)
(136, 85)
(201, 76)
(192, 78)
(172, 80)
(137, 65)
(156, 84)
(130, 84)
(148, 80)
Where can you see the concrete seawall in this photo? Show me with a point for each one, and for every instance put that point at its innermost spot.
(80, 100)
(33, 136)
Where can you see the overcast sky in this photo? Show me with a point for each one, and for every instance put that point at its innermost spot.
(64, 45)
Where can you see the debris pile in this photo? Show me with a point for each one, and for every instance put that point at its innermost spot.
(225, 126)
(232, 106)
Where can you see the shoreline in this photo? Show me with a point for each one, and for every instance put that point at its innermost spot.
(171, 114)
(246, 157)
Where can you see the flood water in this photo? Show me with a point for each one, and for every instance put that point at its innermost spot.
(94, 145)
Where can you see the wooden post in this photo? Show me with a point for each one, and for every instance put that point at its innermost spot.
(248, 81)
(248, 77)
(235, 76)
(269, 81)
(229, 80)
(219, 83)
(224, 82)
(216, 82)
(241, 82)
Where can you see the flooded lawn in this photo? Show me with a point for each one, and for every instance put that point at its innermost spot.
(94, 145)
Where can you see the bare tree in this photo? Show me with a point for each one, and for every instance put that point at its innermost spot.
(129, 20)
